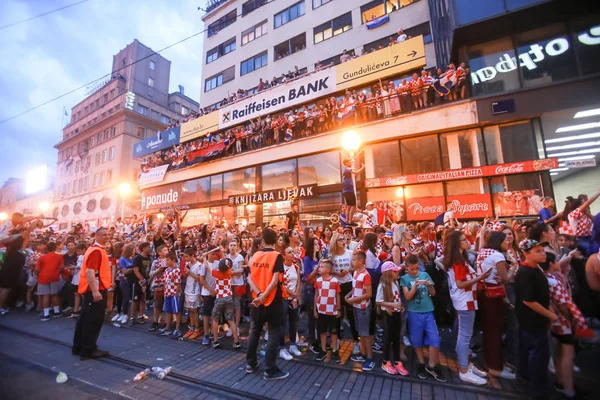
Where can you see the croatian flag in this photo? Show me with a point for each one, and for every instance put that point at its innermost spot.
(443, 86)
(346, 112)
(377, 22)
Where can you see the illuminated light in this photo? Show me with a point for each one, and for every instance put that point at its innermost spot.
(351, 141)
(124, 189)
(553, 173)
(574, 137)
(576, 158)
(572, 153)
(561, 165)
(579, 127)
(399, 192)
(559, 169)
(3, 216)
(44, 206)
(574, 146)
(160, 215)
(36, 179)
(587, 113)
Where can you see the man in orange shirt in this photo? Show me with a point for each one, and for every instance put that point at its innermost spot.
(48, 269)
(266, 268)
(95, 277)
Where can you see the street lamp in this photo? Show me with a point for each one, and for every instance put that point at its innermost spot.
(124, 190)
(3, 216)
(44, 206)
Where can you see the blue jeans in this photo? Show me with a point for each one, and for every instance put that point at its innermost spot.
(466, 320)
(533, 365)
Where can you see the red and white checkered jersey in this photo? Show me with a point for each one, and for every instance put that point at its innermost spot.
(172, 277)
(158, 281)
(439, 250)
(359, 282)
(327, 291)
(564, 228)
(222, 283)
(417, 243)
(395, 293)
(559, 295)
(462, 299)
(581, 223)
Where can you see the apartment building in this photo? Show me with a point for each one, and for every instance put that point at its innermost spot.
(249, 40)
(94, 155)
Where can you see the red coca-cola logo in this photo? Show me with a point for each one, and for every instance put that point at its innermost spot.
(510, 169)
(397, 180)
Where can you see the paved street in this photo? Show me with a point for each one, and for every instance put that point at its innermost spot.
(201, 372)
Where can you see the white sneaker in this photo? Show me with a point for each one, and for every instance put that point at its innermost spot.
(116, 318)
(506, 374)
(356, 349)
(294, 351)
(551, 366)
(576, 368)
(29, 307)
(406, 341)
(123, 319)
(477, 371)
(283, 353)
(266, 336)
(3, 311)
(20, 304)
(470, 377)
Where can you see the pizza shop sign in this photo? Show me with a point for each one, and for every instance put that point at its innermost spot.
(287, 194)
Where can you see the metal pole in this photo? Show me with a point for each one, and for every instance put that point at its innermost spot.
(122, 208)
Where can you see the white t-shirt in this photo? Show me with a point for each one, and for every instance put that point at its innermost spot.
(192, 286)
(290, 277)
(205, 271)
(395, 292)
(237, 266)
(341, 262)
(490, 263)
(448, 215)
(372, 262)
(75, 280)
(401, 38)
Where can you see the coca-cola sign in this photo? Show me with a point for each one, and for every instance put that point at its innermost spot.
(466, 173)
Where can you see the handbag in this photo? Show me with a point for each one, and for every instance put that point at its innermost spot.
(494, 291)
(240, 290)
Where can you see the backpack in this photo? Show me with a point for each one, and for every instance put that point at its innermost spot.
(439, 220)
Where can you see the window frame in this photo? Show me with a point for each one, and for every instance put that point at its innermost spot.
(152, 65)
(321, 3)
(264, 28)
(254, 7)
(288, 14)
(218, 82)
(253, 60)
(330, 26)
(222, 23)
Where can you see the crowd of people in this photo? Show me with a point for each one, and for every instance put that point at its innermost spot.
(385, 287)
(384, 100)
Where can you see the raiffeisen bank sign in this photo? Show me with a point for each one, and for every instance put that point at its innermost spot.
(534, 56)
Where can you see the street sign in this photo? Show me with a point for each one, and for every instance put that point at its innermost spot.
(581, 163)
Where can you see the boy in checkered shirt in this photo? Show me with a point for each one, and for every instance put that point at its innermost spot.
(224, 302)
(172, 280)
(327, 309)
(360, 298)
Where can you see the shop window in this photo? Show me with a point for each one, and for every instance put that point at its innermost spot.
(516, 195)
(420, 155)
(462, 149)
(493, 67)
(510, 143)
(216, 187)
(289, 47)
(545, 56)
(196, 191)
(322, 169)
(279, 175)
(425, 190)
(239, 182)
(382, 159)
(467, 186)
(318, 210)
(391, 199)
(586, 40)
(65, 210)
(196, 216)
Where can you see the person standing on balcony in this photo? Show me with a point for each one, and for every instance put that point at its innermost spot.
(415, 91)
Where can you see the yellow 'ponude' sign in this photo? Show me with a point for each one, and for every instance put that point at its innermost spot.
(391, 60)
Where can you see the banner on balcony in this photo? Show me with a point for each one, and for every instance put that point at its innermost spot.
(288, 95)
(200, 126)
(160, 141)
(466, 173)
(377, 22)
(156, 174)
(379, 64)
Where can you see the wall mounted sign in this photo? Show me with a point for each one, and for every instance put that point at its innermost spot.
(269, 196)
(581, 163)
(160, 141)
(156, 174)
(466, 173)
(162, 196)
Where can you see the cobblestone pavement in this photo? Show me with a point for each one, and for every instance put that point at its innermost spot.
(203, 372)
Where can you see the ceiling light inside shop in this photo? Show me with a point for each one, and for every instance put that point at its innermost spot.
(587, 113)
(574, 137)
(579, 127)
(572, 153)
(576, 158)
(574, 146)
(559, 169)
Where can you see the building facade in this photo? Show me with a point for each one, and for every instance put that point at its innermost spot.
(94, 155)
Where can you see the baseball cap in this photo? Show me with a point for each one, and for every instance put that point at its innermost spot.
(389, 266)
(389, 234)
(224, 263)
(528, 244)
(369, 203)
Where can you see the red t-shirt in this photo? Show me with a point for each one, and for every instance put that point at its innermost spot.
(48, 267)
